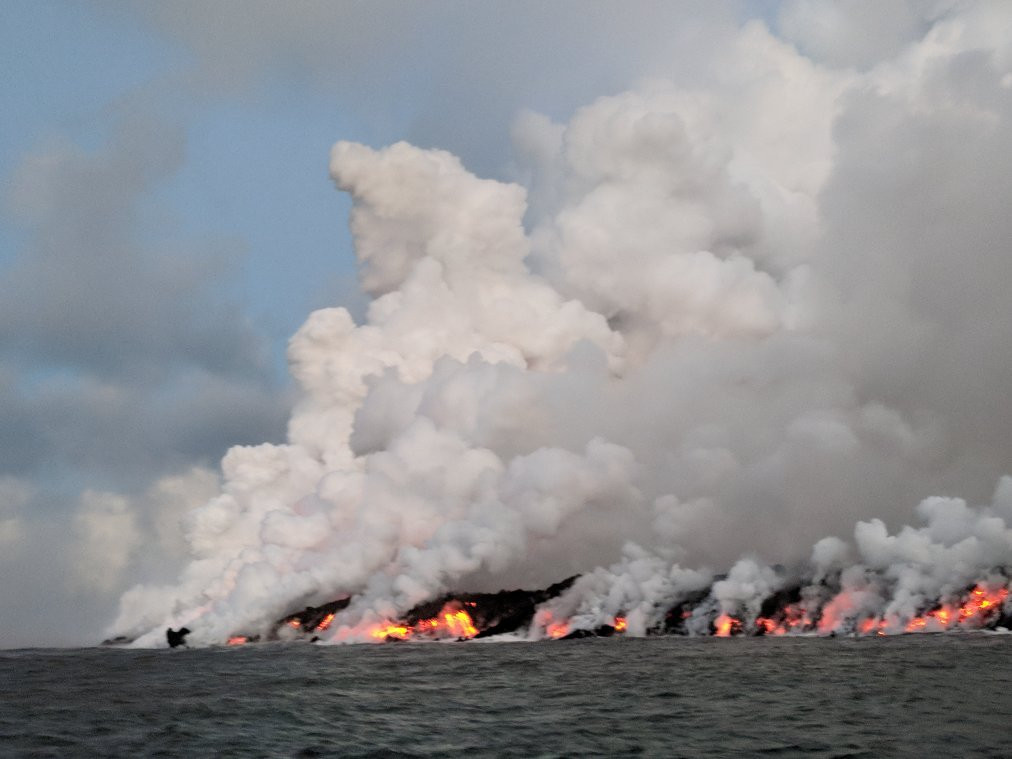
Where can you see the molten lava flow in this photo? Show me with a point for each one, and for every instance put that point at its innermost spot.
(388, 630)
(976, 611)
(452, 621)
(237, 640)
(295, 624)
(935, 620)
(554, 629)
(981, 604)
(620, 624)
(325, 622)
(459, 623)
(557, 630)
(872, 625)
(725, 626)
(792, 619)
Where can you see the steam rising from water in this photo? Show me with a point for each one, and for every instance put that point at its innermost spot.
(730, 321)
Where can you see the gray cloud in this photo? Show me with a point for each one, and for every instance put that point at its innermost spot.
(916, 238)
(122, 358)
(122, 362)
(457, 71)
(857, 33)
(89, 291)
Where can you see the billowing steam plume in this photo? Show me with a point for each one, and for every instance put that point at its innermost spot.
(723, 322)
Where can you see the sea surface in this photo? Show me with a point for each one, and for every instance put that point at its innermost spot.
(914, 695)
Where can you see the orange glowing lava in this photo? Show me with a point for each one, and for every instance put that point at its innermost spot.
(981, 604)
(978, 608)
(792, 619)
(388, 630)
(620, 624)
(325, 622)
(725, 626)
(451, 622)
(557, 630)
(554, 629)
(459, 623)
(872, 625)
(295, 624)
(237, 640)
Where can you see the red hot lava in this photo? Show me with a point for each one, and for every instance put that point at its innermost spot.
(725, 626)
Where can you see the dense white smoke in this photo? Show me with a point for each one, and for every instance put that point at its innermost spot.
(732, 320)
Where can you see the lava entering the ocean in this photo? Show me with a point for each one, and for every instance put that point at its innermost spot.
(794, 610)
(451, 622)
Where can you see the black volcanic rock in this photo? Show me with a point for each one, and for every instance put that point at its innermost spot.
(119, 640)
(774, 605)
(674, 619)
(176, 637)
(311, 618)
(604, 631)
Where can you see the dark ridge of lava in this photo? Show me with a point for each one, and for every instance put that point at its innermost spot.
(119, 640)
(774, 604)
(314, 618)
(604, 631)
(674, 619)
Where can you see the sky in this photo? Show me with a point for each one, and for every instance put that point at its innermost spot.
(169, 219)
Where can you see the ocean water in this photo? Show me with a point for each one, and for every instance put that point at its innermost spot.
(914, 695)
